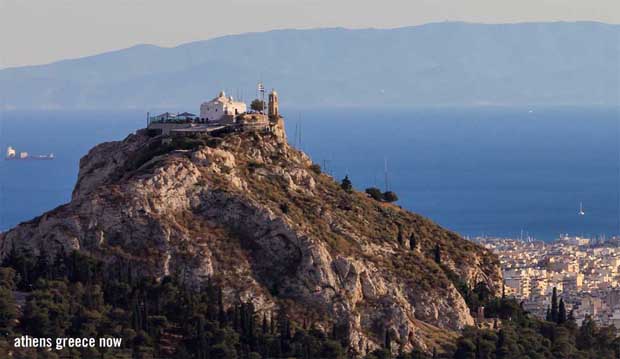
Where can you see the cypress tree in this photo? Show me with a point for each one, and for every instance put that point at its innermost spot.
(25, 267)
(203, 346)
(500, 350)
(136, 315)
(272, 326)
(413, 243)
(220, 306)
(548, 316)
(561, 312)
(388, 341)
(42, 266)
(437, 254)
(251, 318)
(60, 268)
(236, 319)
(554, 305)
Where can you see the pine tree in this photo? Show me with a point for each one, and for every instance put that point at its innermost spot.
(257, 105)
(554, 305)
(561, 312)
(346, 184)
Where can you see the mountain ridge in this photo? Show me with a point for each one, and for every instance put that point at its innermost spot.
(437, 63)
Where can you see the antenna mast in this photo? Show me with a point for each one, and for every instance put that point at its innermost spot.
(385, 170)
(300, 130)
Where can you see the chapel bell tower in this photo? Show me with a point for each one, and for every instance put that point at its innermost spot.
(273, 109)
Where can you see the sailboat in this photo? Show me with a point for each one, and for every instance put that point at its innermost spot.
(581, 212)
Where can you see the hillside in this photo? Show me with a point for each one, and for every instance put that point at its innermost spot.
(248, 212)
(435, 64)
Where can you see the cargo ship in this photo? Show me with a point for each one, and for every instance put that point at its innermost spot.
(12, 154)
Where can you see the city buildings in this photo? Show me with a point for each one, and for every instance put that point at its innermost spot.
(585, 273)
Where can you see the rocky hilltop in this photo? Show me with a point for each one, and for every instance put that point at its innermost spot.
(253, 214)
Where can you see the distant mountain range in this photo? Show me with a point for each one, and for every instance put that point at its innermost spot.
(449, 63)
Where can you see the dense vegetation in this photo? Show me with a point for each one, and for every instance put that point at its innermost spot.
(515, 334)
(76, 296)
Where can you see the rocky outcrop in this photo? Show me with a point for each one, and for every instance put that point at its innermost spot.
(250, 212)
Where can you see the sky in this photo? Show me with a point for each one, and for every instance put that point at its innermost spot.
(43, 31)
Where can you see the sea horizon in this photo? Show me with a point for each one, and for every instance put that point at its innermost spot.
(495, 171)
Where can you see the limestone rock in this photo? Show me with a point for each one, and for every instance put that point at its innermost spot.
(246, 210)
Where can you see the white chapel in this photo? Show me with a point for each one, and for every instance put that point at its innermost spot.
(220, 106)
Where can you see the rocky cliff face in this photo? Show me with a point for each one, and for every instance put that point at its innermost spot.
(249, 211)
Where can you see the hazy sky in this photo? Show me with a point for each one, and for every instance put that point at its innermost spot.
(41, 31)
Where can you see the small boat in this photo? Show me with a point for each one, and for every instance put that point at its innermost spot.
(12, 154)
(581, 212)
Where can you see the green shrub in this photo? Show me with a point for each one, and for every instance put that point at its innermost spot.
(214, 142)
(375, 193)
(257, 105)
(188, 143)
(390, 197)
(315, 168)
(284, 208)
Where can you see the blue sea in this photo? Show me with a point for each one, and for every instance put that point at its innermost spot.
(480, 171)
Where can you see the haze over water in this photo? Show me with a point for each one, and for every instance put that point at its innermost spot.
(479, 171)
